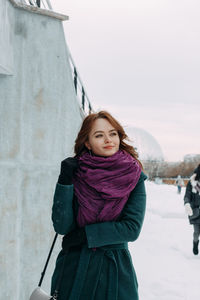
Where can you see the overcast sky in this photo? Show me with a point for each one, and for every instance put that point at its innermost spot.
(140, 60)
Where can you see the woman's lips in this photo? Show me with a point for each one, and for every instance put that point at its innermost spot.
(108, 147)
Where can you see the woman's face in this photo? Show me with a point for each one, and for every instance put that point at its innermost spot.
(103, 139)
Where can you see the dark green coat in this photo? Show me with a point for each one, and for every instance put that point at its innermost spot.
(103, 269)
(194, 200)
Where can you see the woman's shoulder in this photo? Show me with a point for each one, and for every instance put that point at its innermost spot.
(69, 159)
(143, 177)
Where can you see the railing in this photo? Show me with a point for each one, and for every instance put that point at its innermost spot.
(79, 88)
(45, 4)
(82, 96)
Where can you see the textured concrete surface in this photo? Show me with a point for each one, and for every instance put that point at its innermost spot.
(39, 119)
(6, 42)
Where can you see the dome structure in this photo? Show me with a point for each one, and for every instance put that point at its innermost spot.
(146, 145)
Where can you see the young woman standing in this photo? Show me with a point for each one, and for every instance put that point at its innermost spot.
(99, 207)
(192, 206)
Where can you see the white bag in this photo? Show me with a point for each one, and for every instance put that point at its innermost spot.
(39, 294)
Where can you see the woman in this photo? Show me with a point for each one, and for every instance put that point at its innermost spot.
(99, 206)
(192, 206)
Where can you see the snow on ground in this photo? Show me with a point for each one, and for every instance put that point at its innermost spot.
(162, 256)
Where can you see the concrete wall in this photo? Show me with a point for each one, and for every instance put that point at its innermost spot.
(6, 49)
(39, 120)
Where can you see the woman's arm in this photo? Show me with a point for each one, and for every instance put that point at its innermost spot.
(188, 193)
(62, 210)
(129, 226)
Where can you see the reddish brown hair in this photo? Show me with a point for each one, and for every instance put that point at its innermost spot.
(86, 127)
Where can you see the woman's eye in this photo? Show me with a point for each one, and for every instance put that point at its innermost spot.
(98, 135)
(113, 133)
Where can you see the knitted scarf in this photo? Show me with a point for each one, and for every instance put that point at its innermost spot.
(102, 186)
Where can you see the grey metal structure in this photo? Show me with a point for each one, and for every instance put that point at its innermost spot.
(40, 116)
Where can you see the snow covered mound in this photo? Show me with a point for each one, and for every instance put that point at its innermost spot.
(147, 146)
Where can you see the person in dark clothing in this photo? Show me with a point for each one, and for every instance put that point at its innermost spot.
(99, 206)
(192, 206)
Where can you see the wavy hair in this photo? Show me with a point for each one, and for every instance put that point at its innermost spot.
(86, 127)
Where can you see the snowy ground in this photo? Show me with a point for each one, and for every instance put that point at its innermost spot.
(162, 256)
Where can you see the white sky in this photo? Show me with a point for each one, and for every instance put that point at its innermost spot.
(140, 60)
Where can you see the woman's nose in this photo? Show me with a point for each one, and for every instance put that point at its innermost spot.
(107, 139)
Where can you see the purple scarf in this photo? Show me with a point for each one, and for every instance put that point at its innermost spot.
(103, 184)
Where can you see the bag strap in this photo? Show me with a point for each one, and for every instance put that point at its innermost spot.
(46, 264)
(55, 294)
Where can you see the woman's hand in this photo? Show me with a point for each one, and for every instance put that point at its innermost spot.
(188, 209)
(67, 170)
(74, 238)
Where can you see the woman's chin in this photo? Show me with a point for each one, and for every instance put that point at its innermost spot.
(109, 152)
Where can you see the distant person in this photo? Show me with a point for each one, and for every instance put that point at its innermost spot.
(99, 206)
(192, 206)
(179, 184)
